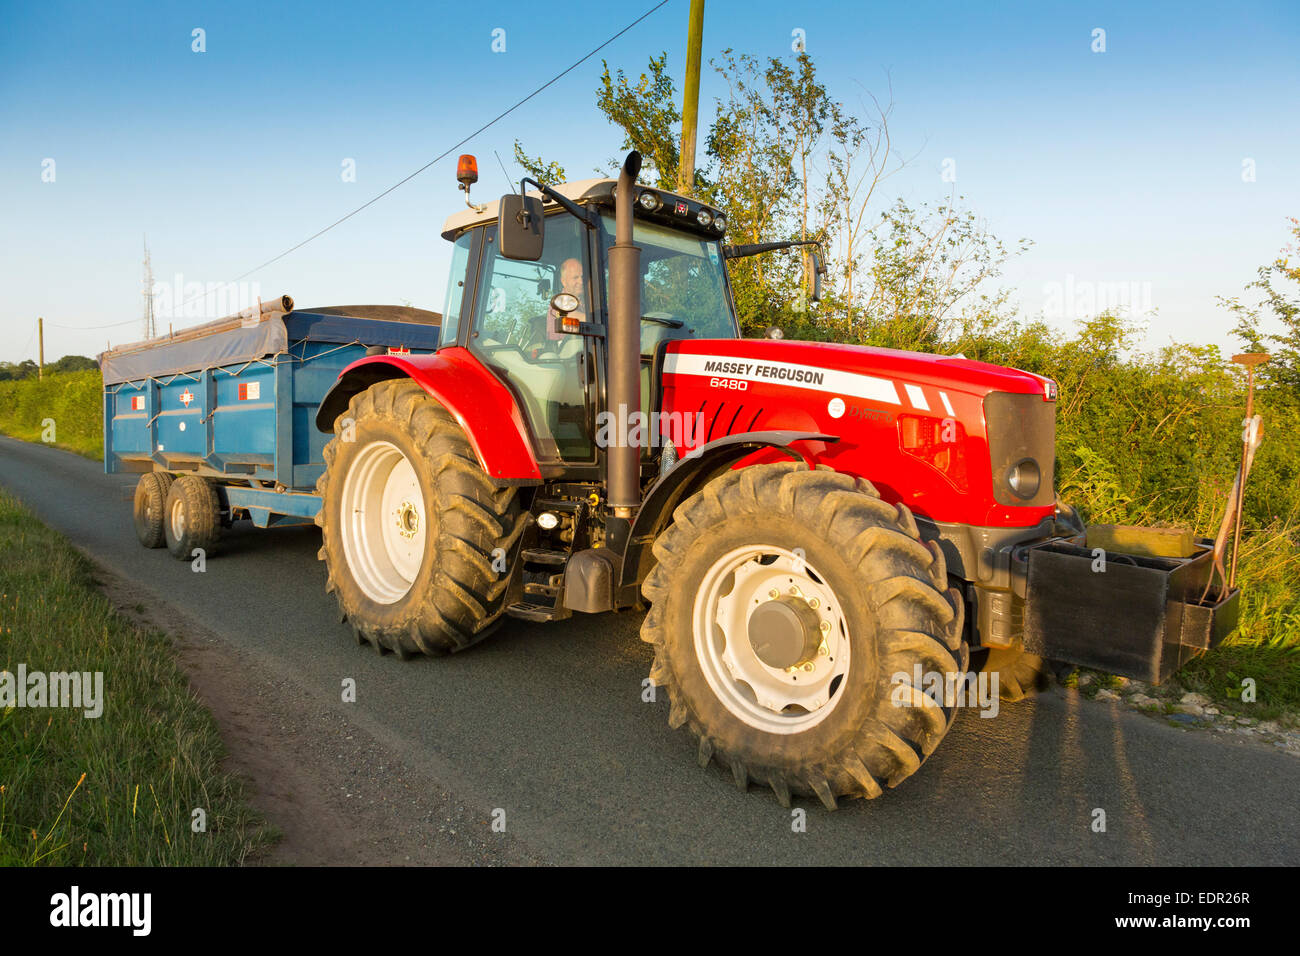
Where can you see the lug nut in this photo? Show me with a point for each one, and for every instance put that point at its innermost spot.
(774, 594)
(814, 603)
(826, 627)
(794, 589)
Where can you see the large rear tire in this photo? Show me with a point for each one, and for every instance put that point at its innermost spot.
(419, 543)
(791, 610)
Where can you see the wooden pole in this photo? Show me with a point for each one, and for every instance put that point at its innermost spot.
(1250, 360)
(691, 99)
(40, 335)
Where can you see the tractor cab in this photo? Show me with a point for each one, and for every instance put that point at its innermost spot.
(537, 317)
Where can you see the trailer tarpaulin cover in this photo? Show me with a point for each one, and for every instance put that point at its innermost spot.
(224, 342)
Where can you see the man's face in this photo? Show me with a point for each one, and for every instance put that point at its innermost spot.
(571, 277)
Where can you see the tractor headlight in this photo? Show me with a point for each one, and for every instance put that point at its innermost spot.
(704, 217)
(648, 200)
(1024, 478)
(720, 222)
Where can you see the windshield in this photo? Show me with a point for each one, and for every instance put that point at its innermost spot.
(682, 281)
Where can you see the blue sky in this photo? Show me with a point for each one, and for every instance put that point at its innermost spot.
(1124, 167)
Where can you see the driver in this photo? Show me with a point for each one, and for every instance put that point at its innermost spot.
(546, 339)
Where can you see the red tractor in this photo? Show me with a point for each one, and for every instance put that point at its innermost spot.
(824, 534)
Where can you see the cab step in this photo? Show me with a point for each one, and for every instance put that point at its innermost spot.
(545, 556)
(527, 611)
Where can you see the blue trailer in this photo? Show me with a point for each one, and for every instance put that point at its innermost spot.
(219, 420)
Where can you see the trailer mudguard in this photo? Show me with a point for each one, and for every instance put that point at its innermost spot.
(686, 477)
(459, 382)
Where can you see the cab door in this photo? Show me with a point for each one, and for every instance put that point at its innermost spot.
(513, 334)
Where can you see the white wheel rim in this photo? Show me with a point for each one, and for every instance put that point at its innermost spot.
(178, 519)
(772, 699)
(383, 522)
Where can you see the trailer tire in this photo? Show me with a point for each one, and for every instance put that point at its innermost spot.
(441, 584)
(150, 508)
(193, 518)
(782, 534)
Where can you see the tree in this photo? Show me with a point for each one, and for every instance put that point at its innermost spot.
(537, 168)
(647, 113)
(11, 371)
(1284, 345)
(787, 160)
(72, 363)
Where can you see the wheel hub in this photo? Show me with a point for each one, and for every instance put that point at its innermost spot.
(408, 520)
(784, 632)
(771, 638)
(382, 522)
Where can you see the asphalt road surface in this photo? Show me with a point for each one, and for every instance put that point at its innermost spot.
(546, 722)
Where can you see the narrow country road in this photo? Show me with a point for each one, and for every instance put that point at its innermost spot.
(548, 724)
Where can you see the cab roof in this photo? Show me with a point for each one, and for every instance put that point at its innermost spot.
(679, 211)
(583, 190)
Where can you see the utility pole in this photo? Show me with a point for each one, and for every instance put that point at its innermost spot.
(40, 335)
(691, 101)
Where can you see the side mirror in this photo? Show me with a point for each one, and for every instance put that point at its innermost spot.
(521, 227)
(819, 269)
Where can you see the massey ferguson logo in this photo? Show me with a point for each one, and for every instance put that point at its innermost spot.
(186, 397)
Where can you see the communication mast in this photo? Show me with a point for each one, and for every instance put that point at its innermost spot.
(150, 325)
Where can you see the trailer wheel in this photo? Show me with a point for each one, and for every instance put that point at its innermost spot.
(792, 612)
(193, 517)
(150, 507)
(419, 544)
(1020, 675)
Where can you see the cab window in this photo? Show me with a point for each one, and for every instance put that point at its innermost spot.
(455, 290)
(514, 334)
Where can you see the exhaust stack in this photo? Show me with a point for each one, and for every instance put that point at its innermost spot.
(623, 456)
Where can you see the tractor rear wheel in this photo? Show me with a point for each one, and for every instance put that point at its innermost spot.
(418, 542)
(798, 622)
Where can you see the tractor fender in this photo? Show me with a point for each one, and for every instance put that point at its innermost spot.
(483, 407)
(686, 477)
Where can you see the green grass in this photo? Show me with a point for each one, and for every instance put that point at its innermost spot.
(118, 789)
(68, 404)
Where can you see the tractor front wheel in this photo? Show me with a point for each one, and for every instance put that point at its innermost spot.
(804, 632)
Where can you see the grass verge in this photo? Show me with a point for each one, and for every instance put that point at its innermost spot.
(119, 789)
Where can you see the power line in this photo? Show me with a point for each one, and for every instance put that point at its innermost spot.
(402, 182)
(23, 354)
(443, 155)
(91, 328)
